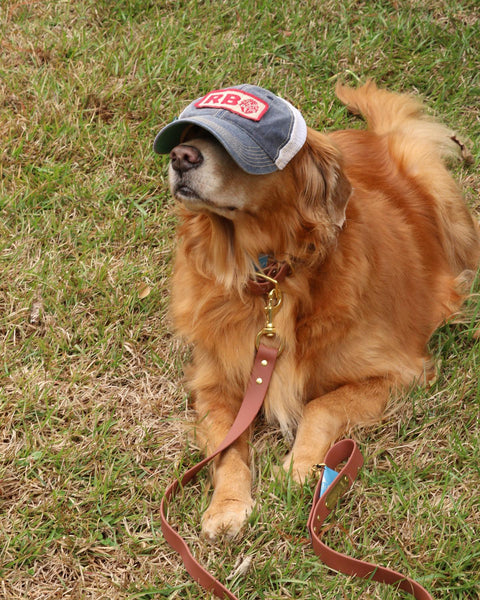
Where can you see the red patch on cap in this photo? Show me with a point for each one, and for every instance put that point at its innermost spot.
(236, 101)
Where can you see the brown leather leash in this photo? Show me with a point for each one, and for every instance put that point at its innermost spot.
(331, 485)
(256, 391)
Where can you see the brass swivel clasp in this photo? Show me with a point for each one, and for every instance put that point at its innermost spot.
(272, 304)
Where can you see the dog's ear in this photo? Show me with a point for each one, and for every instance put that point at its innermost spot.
(325, 184)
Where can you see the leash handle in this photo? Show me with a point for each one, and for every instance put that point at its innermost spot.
(325, 501)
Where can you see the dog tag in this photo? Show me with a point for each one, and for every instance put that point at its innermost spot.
(263, 260)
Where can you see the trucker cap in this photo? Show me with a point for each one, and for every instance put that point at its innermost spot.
(261, 131)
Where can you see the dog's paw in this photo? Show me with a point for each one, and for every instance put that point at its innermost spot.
(301, 467)
(300, 470)
(225, 518)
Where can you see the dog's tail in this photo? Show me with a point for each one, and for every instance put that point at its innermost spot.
(401, 114)
(420, 145)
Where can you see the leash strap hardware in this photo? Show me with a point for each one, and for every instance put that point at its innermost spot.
(336, 491)
(272, 304)
(333, 486)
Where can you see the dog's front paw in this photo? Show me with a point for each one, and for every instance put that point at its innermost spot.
(300, 470)
(225, 518)
(301, 465)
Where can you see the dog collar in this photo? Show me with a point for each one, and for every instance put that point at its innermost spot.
(271, 268)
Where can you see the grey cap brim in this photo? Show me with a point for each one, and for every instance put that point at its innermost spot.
(244, 151)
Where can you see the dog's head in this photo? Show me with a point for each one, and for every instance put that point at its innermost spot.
(253, 179)
(312, 187)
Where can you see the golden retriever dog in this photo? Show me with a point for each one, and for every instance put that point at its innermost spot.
(377, 238)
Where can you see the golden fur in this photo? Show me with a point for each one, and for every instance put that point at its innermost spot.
(377, 234)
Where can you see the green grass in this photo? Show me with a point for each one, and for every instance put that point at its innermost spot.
(91, 399)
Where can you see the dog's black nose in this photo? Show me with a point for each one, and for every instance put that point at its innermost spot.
(183, 158)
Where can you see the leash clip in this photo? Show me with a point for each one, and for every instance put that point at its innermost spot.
(273, 303)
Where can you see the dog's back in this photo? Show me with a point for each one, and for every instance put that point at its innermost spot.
(419, 146)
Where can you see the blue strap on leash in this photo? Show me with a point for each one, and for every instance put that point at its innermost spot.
(328, 478)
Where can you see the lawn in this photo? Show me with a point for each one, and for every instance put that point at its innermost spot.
(92, 408)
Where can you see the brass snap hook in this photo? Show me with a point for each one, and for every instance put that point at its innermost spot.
(273, 303)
